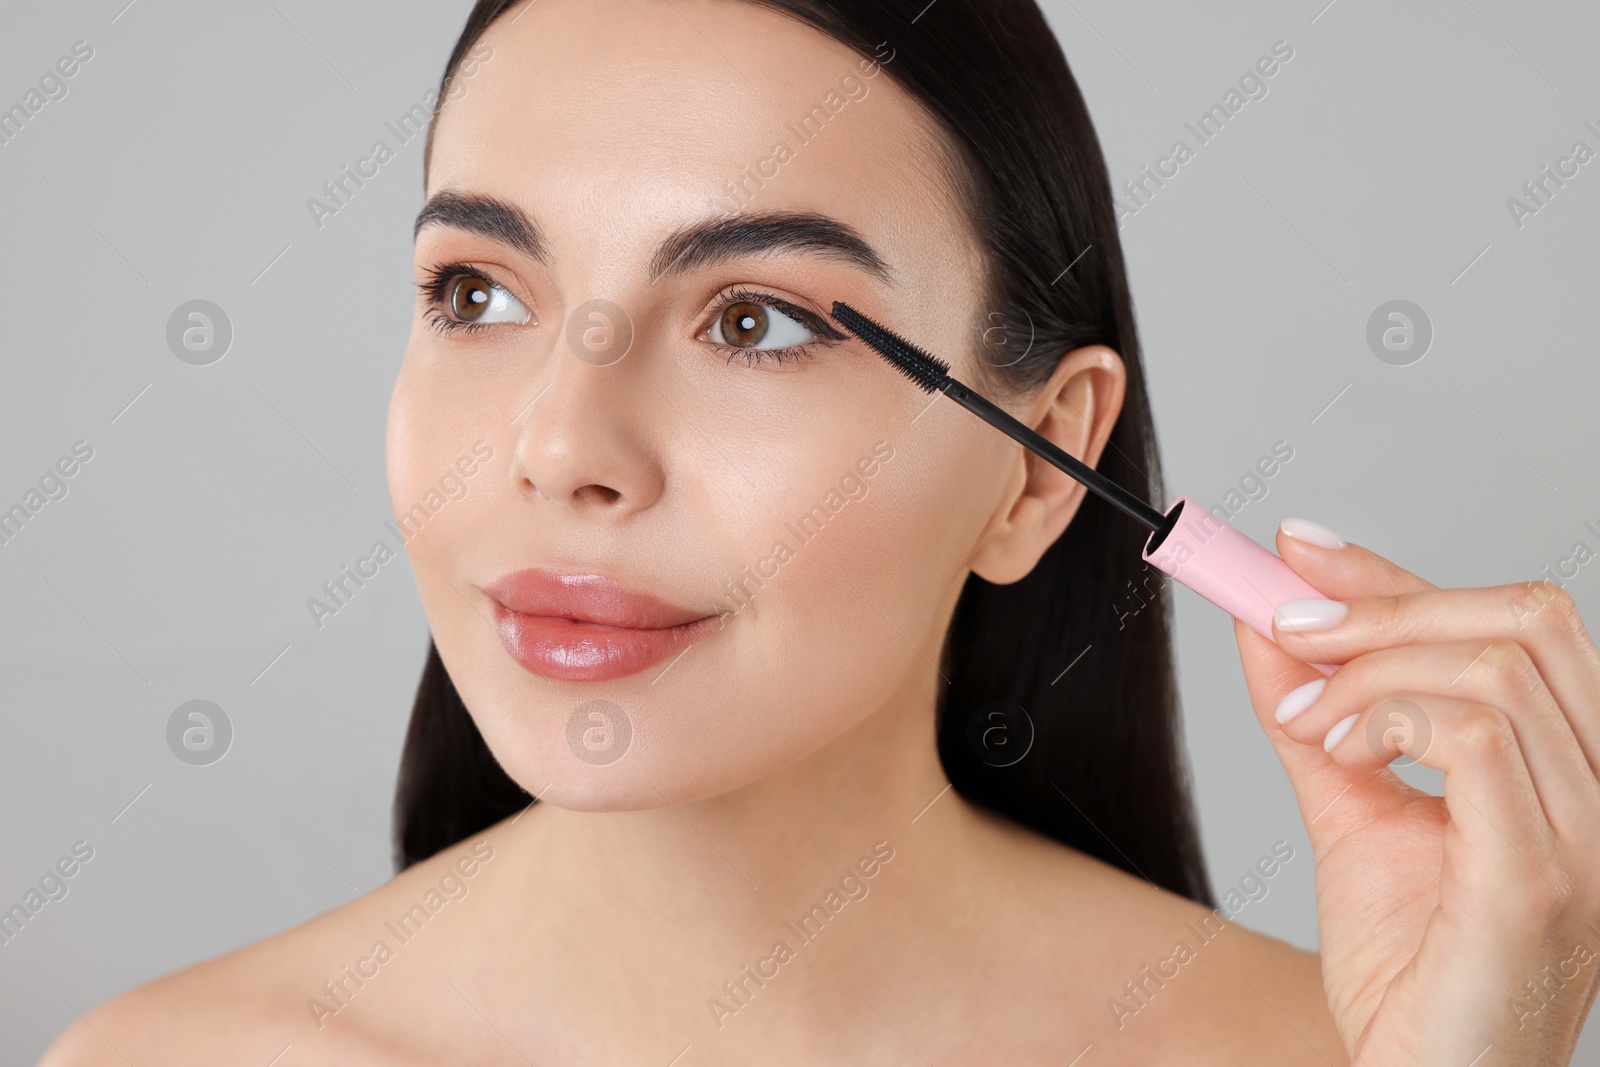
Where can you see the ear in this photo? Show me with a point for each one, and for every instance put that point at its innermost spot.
(1076, 410)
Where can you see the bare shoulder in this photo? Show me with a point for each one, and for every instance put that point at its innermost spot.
(253, 1004)
(1173, 980)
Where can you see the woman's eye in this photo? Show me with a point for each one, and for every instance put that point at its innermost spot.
(461, 299)
(746, 324)
(471, 298)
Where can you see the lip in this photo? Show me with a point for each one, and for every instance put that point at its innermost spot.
(587, 627)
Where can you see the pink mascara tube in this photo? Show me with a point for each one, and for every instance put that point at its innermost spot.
(1226, 567)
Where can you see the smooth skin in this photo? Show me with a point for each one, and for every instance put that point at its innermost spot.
(781, 749)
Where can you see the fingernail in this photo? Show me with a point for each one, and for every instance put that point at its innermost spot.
(1340, 728)
(1297, 700)
(1301, 615)
(1315, 532)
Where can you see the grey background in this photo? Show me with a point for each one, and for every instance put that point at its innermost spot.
(177, 567)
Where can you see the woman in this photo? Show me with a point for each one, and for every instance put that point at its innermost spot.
(840, 752)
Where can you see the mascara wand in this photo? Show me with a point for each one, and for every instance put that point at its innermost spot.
(933, 375)
(1211, 557)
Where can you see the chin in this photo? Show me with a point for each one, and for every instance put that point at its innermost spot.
(581, 755)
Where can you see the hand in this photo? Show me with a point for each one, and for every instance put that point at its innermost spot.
(1462, 930)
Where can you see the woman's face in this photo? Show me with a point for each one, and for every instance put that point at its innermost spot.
(620, 397)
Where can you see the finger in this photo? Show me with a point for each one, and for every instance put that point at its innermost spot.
(1348, 571)
(1488, 792)
(1503, 677)
(1317, 779)
(1344, 572)
(1539, 616)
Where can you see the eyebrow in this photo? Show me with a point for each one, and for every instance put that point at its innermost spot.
(690, 247)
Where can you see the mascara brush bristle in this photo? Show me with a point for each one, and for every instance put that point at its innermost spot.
(927, 371)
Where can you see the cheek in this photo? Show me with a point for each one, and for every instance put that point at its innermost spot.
(446, 464)
(412, 440)
(846, 584)
(434, 419)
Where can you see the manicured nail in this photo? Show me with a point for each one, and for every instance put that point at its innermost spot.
(1302, 615)
(1315, 532)
(1336, 734)
(1297, 700)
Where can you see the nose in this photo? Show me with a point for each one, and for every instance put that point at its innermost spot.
(582, 443)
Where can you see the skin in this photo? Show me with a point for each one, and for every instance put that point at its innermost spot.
(774, 754)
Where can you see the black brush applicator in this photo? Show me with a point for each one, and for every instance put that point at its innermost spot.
(1207, 555)
(933, 375)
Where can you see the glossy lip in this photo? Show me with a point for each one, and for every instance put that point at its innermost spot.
(587, 627)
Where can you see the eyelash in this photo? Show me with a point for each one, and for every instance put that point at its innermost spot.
(439, 277)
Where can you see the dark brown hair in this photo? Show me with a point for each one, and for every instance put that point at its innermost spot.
(1105, 774)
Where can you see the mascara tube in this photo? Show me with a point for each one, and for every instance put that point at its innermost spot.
(1226, 567)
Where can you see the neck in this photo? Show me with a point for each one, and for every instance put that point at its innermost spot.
(859, 848)
(766, 843)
